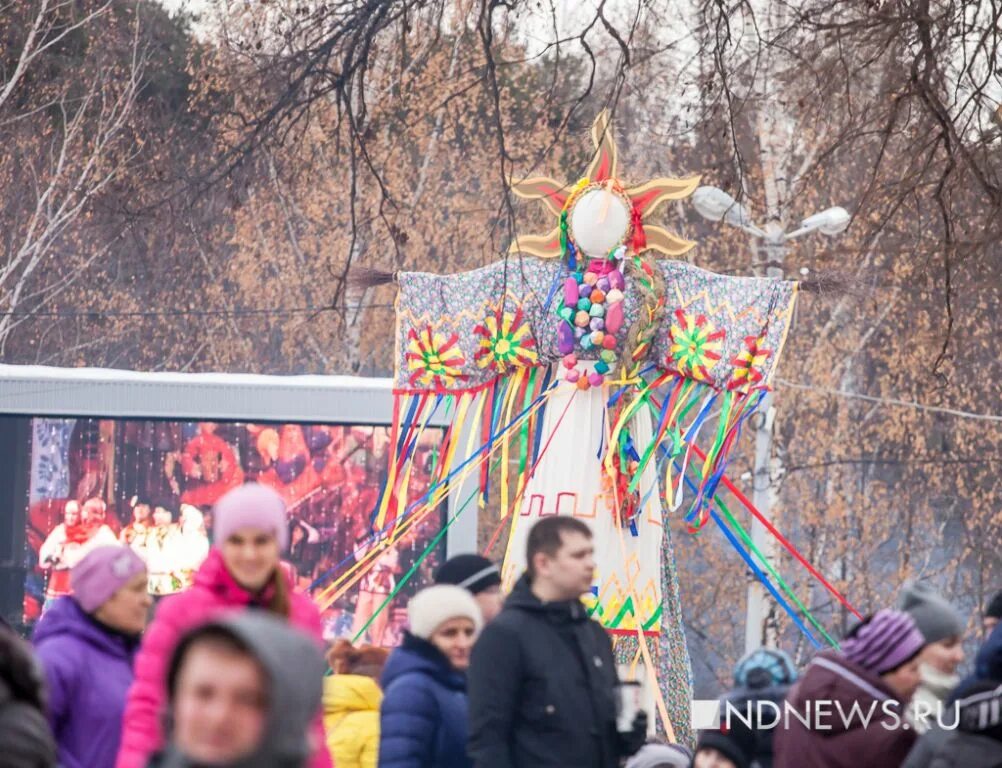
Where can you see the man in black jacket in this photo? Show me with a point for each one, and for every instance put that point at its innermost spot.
(542, 680)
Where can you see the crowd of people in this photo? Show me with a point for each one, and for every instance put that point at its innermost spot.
(890, 696)
(232, 671)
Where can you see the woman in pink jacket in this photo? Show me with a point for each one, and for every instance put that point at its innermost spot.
(242, 571)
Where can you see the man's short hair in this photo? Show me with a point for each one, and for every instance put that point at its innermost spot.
(211, 635)
(546, 536)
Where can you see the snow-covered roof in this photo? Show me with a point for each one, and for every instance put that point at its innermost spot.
(46, 391)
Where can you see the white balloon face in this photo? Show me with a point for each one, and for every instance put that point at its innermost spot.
(599, 222)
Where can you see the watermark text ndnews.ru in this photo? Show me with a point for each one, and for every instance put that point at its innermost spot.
(822, 715)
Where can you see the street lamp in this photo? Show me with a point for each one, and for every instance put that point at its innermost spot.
(716, 205)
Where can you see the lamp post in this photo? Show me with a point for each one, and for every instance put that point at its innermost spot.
(771, 242)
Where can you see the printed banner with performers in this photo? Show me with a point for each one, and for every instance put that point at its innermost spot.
(151, 485)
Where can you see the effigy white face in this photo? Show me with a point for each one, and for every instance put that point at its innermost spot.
(599, 222)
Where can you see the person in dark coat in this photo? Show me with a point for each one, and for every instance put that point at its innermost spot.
(423, 718)
(993, 613)
(86, 644)
(242, 692)
(987, 673)
(543, 683)
(25, 738)
(727, 747)
(975, 742)
(479, 576)
(765, 675)
(855, 700)
(987, 663)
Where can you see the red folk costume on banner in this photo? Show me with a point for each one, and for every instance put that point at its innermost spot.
(292, 474)
(58, 554)
(211, 463)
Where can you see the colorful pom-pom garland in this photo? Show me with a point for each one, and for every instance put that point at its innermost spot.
(591, 313)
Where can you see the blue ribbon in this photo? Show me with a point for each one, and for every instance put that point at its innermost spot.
(760, 575)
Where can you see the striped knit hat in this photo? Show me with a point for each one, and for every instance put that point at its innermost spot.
(884, 641)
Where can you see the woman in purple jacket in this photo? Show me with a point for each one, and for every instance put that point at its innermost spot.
(85, 644)
(848, 709)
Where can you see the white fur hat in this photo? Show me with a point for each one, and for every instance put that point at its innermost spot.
(432, 607)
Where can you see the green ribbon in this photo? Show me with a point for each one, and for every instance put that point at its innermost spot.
(736, 526)
(417, 563)
(523, 446)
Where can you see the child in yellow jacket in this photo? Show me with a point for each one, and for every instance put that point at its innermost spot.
(351, 704)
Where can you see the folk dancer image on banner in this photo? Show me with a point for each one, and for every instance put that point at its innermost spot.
(163, 548)
(173, 551)
(375, 587)
(60, 552)
(134, 534)
(193, 544)
(83, 528)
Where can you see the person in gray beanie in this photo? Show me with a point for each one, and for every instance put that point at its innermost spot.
(942, 626)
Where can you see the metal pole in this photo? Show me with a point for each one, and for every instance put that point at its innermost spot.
(759, 630)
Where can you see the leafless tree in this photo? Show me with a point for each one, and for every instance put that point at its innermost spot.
(64, 143)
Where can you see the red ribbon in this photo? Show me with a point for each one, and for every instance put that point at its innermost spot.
(782, 539)
(639, 236)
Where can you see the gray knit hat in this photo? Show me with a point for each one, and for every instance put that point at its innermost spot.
(936, 618)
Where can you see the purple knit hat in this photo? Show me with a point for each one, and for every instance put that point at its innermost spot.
(884, 642)
(103, 572)
(250, 506)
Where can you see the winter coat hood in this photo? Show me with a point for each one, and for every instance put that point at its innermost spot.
(350, 693)
(987, 664)
(24, 733)
(294, 689)
(351, 716)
